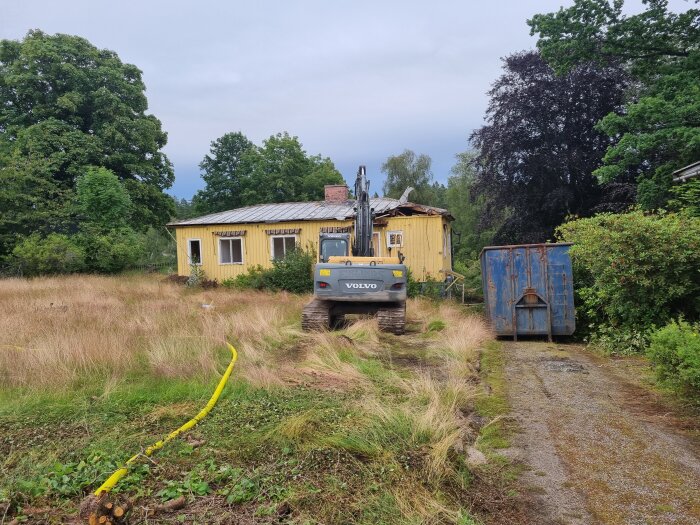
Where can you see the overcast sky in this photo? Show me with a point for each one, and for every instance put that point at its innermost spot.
(355, 80)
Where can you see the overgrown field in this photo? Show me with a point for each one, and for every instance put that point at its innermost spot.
(351, 426)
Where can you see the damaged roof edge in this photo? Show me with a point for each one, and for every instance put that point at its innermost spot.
(310, 211)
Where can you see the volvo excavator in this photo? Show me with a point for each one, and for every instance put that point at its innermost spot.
(351, 280)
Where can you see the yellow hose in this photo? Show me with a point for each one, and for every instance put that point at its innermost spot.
(121, 472)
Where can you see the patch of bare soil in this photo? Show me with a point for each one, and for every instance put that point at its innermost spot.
(599, 447)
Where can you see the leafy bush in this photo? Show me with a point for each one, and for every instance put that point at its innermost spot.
(53, 254)
(675, 353)
(430, 288)
(619, 340)
(254, 278)
(471, 269)
(634, 272)
(112, 251)
(88, 251)
(293, 273)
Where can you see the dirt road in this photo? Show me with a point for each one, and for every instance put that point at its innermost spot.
(599, 448)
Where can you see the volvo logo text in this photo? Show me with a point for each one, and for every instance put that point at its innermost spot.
(369, 286)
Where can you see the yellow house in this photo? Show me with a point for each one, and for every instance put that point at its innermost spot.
(229, 243)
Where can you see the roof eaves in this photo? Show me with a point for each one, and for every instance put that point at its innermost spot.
(688, 172)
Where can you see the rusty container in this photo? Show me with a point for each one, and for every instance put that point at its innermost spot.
(528, 289)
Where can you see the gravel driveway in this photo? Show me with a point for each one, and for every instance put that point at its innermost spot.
(599, 447)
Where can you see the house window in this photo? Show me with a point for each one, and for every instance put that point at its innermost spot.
(377, 244)
(231, 250)
(394, 239)
(194, 251)
(282, 245)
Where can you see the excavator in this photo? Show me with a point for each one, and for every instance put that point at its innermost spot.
(357, 283)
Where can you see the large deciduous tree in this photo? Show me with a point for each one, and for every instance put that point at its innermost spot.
(540, 146)
(659, 129)
(238, 173)
(410, 170)
(225, 171)
(66, 105)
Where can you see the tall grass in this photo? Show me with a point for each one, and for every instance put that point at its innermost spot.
(56, 331)
(400, 400)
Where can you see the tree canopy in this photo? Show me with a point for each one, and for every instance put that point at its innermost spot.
(225, 171)
(239, 173)
(66, 105)
(466, 207)
(659, 129)
(410, 170)
(102, 200)
(540, 146)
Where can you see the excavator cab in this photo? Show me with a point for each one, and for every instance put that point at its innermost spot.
(333, 245)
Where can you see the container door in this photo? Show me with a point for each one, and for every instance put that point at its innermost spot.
(497, 290)
(561, 291)
(531, 315)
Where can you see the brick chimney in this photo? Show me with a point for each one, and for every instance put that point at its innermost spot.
(336, 192)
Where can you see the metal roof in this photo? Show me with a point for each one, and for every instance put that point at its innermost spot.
(683, 174)
(309, 211)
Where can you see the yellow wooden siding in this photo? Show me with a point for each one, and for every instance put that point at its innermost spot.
(422, 244)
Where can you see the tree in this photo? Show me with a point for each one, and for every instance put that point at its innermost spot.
(537, 152)
(466, 207)
(66, 105)
(102, 200)
(279, 169)
(184, 209)
(659, 130)
(409, 170)
(225, 172)
(238, 173)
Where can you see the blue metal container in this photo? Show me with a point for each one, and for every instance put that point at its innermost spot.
(528, 289)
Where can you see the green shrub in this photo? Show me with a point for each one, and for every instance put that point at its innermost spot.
(412, 286)
(675, 354)
(634, 272)
(111, 251)
(471, 269)
(430, 288)
(53, 254)
(619, 340)
(293, 273)
(254, 278)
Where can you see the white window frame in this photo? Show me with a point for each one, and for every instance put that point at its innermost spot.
(388, 238)
(221, 263)
(272, 243)
(379, 243)
(189, 251)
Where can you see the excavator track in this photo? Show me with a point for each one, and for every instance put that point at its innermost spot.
(392, 318)
(316, 316)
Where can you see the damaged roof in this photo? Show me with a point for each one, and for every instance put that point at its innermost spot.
(311, 211)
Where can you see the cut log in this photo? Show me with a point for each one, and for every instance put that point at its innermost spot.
(92, 520)
(118, 511)
(173, 504)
